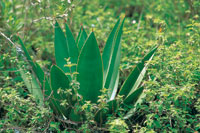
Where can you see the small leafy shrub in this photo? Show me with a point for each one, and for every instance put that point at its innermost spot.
(19, 114)
(172, 99)
(117, 126)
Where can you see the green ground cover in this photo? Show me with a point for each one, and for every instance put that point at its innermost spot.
(171, 84)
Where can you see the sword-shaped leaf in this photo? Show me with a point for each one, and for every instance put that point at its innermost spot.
(114, 91)
(108, 50)
(28, 57)
(32, 85)
(34, 88)
(132, 110)
(90, 69)
(40, 74)
(82, 38)
(48, 96)
(59, 83)
(61, 48)
(133, 97)
(136, 76)
(36, 68)
(46, 89)
(72, 47)
(113, 60)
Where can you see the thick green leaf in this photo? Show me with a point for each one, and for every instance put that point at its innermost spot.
(90, 69)
(113, 79)
(136, 76)
(46, 90)
(37, 71)
(72, 47)
(40, 74)
(82, 39)
(132, 110)
(61, 49)
(35, 66)
(59, 81)
(108, 50)
(114, 92)
(28, 57)
(114, 61)
(133, 97)
(32, 85)
(48, 96)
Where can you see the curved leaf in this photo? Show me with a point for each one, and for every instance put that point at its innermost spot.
(48, 96)
(90, 69)
(59, 82)
(132, 111)
(32, 85)
(82, 39)
(35, 66)
(114, 62)
(39, 73)
(72, 47)
(114, 91)
(133, 97)
(28, 57)
(136, 76)
(108, 50)
(46, 89)
(61, 49)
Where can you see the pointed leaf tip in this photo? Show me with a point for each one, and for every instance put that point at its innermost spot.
(61, 48)
(90, 69)
(111, 59)
(72, 47)
(135, 78)
(56, 23)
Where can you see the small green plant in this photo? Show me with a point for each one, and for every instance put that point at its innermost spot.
(93, 72)
(118, 126)
(20, 114)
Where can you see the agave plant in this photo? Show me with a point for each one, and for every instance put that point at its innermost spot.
(95, 72)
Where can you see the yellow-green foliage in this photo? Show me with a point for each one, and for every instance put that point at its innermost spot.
(171, 83)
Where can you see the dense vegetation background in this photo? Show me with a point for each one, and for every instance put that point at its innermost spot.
(172, 102)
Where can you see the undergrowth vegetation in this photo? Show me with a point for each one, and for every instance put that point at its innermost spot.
(170, 101)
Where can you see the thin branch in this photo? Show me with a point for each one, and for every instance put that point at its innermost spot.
(8, 39)
(48, 124)
(18, 49)
(68, 121)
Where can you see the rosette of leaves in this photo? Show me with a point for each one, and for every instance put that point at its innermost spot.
(95, 72)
